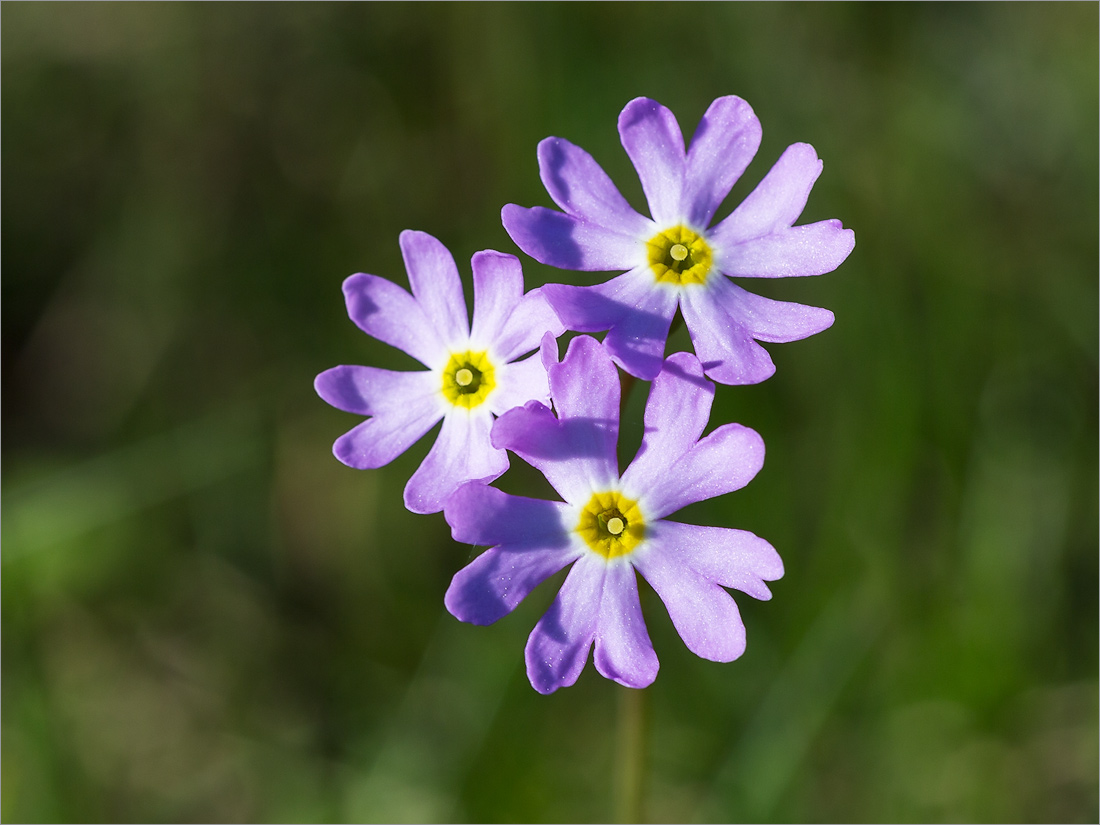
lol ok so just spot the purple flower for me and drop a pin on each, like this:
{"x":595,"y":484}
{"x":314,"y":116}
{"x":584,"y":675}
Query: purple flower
{"x":472,"y":373}
{"x":675,"y":259}
{"x":611,"y":525}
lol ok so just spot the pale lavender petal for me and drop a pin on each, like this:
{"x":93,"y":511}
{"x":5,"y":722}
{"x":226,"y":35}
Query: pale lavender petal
{"x":653,"y":141}
{"x":378,"y":441}
{"x":462,"y":452}
{"x":599,"y":307}
{"x":578,"y":449}
{"x":581,"y":187}
{"x":585,"y":386}
{"x":557,"y":239}
{"x":436,"y":285}
{"x":498,"y":288}
{"x":637,"y":340}
{"x":729,"y":557}
{"x":723,"y":320}
{"x":635,"y":309}
{"x":531,"y":543}
{"x":404,"y":406}
{"x":492,"y":585}
{"x":705,"y":615}
{"x":528,"y":323}
{"x":482,"y":515}
{"x":676,"y":413}
{"x":623,"y":651}
{"x":572,"y":453}
{"x":518,"y":383}
{"x":385,"y":311}
{"x":374,"y":391}
{"x":505,"y":320}
{"x":777,"y":200}
{"x":724,"y":143}
{"x":724,"y":461}
{"x":726,"y":349}
{"x":812,"y":249}
{"x":766,"y":319}
{"x":557,"y":648}
{"x":548,"y":351}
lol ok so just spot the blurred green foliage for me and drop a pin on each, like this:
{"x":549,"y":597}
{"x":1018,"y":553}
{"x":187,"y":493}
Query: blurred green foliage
{"x":207,"y":617}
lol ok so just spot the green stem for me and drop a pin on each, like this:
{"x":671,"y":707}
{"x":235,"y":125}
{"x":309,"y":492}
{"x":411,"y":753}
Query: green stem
{"x":630,"y":755}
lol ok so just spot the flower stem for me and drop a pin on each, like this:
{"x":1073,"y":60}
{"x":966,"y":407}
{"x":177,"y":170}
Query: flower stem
{"x":630,"y":753}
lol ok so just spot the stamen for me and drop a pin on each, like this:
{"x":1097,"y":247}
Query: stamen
{"x":679,"y":255}
{"x":468,"y":379}
{"x":611,"y":524}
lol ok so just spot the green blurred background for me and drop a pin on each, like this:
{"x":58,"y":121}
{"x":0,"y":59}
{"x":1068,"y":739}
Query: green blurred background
{"x":207,"y":617}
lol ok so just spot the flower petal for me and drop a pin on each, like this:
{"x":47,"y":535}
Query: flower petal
{"x":575,"y":450}
{"x":634,"y":307}
{"x":623,"y":651}
{"x":731,"y":558}
{"x":436,"y":285}
{"x":532,"y":543}
{"x":462,"y":452}
{"x":525,"y":327}
{"x":484,"y":516}
{"x":498,"y":287}
{"x":599,"y":307}
{"x":492,"y":585}
{"x":585,"y":386}
{"x":812,"y":249}
{"x":572,"y":453}
{"x":637,"y":340}
{"x":385,"y":311}
{"x":557,"y":239}
{"x":404,"y":406}
{"x":580,"y":186}
{"x":676,"y":413}
{"x":705,"y":615}
{"x":557,"y":648}
{"x":724,"y":461}
{"x":652,"y":138}
{"x":518,"y":383}
{"x":726,"y":349}
{"x":373,"y":391}
{"x":723,"y":145}
{"x":723,"y":319}
{"x":769,"y":320}
{"x":506,"y":321}
{"x":777,"y":200}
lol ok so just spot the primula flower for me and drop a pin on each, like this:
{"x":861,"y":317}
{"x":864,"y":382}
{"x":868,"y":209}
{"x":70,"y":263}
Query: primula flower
{"x":674,"y":258}
{"x":610,"y":525}
{"x":472,"y":373}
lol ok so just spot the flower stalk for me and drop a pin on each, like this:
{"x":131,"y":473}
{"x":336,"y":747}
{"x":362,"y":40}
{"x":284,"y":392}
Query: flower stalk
{"x":631,"y":754}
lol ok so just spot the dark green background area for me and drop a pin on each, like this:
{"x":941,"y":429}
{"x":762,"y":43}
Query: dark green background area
{"x":207,"y":617}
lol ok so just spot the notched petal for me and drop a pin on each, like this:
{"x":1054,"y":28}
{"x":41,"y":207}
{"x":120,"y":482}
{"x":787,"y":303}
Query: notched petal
{"x":530,"y":541}
{"x":568,"y":242}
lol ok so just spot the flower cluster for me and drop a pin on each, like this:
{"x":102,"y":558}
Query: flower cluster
{"x":562,"y":416}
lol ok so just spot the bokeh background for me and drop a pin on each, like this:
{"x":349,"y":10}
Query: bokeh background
{"x":207,"y":617}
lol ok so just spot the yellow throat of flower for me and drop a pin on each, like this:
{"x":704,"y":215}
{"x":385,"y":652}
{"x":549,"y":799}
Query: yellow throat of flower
{"x":611,"y":524}
{"x":679,"y":256}
{"x":468,"y":379}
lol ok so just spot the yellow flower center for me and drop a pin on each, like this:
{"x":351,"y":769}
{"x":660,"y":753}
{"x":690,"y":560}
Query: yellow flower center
{"x":611,"y":524}
{"x":468,"y":379}
{"x":679,"y":256}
